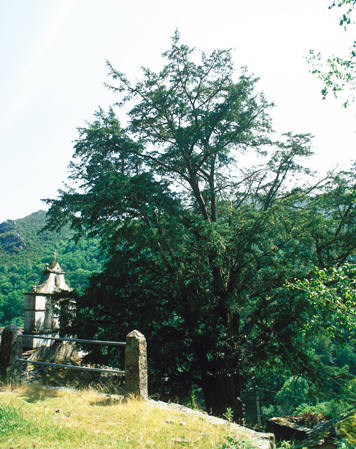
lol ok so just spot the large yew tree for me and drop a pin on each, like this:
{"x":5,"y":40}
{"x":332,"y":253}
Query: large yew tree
{"x":204,"y":220}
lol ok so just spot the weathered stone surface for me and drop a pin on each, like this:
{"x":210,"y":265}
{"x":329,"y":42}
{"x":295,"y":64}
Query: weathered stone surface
{"x":284,"y":429}
{"x":258,"y":440}
{"x":7,"y":226}
{"x":321,"y":436}
{"x":58,"y":352}
{"x":11,"y":347}
{"x":136,"y":364}
{"x":52,"y":280}
{"x":324,"y":435}
{"x":12,"y":241}
{"x":41,"y":317}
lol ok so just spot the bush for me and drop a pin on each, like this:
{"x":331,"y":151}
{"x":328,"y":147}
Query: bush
{"x":332,"y":409}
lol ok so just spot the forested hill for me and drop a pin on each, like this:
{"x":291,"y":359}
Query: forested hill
{"x":24,"y":251}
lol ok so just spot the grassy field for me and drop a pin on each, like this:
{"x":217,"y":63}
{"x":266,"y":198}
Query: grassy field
{"x":42,"y":418}
{"x":38,"y":417}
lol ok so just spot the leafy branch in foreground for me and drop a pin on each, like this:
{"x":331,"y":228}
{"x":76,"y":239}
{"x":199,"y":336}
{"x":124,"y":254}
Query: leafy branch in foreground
{"x":338,"y":73}
{"x":332,"y":294}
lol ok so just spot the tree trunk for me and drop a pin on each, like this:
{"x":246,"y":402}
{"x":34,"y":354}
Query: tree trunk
{"x":222,"y":392}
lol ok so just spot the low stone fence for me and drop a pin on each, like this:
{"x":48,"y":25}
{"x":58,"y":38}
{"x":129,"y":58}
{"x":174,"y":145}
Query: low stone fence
{"x":135,"y":372}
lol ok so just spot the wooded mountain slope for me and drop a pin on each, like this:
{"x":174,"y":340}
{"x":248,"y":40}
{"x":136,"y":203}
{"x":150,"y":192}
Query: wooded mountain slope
{"x":24,"y":251}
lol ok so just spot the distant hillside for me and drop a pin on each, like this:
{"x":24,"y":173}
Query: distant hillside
{"x":24,"y":251}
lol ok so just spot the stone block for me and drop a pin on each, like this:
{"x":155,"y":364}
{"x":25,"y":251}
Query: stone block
{"x":11,"y":347}
{"x":136,"y":364}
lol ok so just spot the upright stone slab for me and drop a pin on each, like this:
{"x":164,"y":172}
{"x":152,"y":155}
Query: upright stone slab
{"x":136,"y":364}
{"x":11,"y":347}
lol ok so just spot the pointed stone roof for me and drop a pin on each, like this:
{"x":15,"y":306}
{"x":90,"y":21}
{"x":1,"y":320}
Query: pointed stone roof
{"x":52,"y":280}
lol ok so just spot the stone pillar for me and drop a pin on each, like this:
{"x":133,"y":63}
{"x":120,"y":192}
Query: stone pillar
{"x":136,"y":364}
{"x":11,"y":348}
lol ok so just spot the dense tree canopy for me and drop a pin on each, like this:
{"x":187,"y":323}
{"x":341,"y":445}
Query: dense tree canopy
{"x":201,"y":244}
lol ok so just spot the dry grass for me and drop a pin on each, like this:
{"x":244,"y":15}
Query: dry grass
{"x":38,"y":417}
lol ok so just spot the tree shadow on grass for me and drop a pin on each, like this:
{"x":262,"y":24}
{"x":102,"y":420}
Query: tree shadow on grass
{"x":38,"y":392}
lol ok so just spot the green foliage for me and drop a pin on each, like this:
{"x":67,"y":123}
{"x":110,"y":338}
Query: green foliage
{"x":347,"y":7}
{"x":334,"y":290}
{"x":202,"y":250}
{"x":233,"y":443}
{"x":21,"y":265}
{"x":347,"y":430}
{"x":337,"y":361}
{"x":332,"y":409}
{"x":229,"y":414}
{"x":294,"y":390}
{"x":287,"y":445}
{"x":337,"y":72}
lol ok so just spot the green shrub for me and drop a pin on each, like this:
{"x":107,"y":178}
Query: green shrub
{"x":332,"y":409}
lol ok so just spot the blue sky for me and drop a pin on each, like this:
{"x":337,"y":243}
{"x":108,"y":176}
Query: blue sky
{"x":53,"y":68}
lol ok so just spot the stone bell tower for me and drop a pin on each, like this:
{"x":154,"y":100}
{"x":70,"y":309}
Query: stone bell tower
{"x":40,"y":317}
